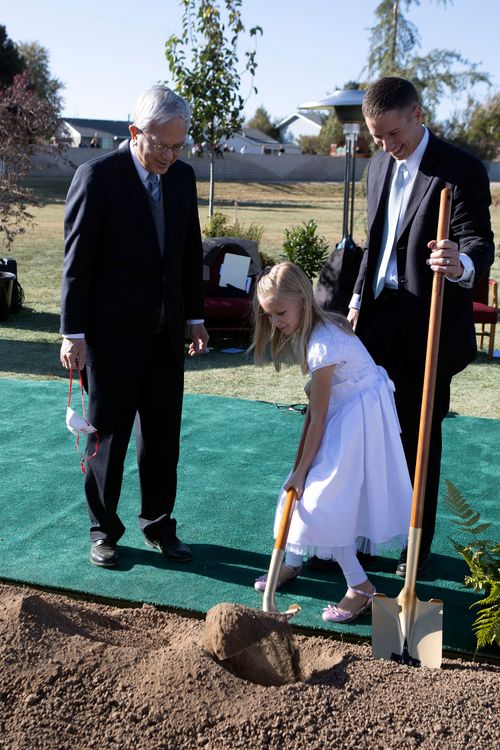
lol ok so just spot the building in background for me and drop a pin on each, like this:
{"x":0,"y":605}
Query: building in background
{"x":82,"y":133}
{"x":253,"y":141}
{"x":298,"y":124}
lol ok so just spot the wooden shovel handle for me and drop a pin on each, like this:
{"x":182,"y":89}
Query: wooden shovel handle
{"x":431,"y":359}
{"x":291,"y":495}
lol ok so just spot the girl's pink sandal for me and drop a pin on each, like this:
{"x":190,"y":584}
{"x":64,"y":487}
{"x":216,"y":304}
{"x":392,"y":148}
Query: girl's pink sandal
{"x":333,"y":613}
{"x":287,"y":573}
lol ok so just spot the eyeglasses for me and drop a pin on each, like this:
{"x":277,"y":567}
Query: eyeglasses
{"x":158,"y":146}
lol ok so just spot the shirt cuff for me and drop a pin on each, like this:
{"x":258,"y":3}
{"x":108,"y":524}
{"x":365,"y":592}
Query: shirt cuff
{"x":467,"y":278}
{"x":355,"y":302}
{"x":73,"y":335}
{"x":194,"y":322}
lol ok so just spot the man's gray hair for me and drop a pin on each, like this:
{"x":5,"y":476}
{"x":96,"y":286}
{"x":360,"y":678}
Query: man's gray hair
{"x":159,"y":104}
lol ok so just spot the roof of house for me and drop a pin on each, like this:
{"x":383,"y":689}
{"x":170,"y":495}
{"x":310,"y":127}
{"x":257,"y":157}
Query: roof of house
{"x":86,"y":127}
{"x":315,"y":117}
{"x":257,"y":136}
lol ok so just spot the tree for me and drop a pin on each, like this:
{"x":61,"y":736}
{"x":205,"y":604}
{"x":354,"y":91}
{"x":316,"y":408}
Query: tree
{"x":393,"y":44}
{"x":29,"y":114}
{"x":477,"y":128}
{"x":24,"y":120}
{"x":211,"y":78}
{"x":11,"y":62}
{"x":331,"y":132}
{"x":36,"y":59}
{"x":262,"y":121}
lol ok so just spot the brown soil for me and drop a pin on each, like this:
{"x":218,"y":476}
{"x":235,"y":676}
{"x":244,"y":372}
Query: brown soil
{"x":77,"y":675}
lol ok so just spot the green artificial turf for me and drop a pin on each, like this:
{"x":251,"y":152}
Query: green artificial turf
{"x":234,"y":456}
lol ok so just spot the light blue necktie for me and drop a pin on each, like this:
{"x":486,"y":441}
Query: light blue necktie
{"x":391,"y":224}
{"x":153,"y":185}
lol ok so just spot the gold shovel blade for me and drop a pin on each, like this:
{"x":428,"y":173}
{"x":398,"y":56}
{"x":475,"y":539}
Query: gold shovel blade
{"x":414,"y":638}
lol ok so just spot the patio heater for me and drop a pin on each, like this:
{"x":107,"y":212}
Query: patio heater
{"x":339,"y":273}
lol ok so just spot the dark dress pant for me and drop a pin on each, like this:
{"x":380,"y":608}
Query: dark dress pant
{"x":390,"y":343}
{"x":152,"y":400}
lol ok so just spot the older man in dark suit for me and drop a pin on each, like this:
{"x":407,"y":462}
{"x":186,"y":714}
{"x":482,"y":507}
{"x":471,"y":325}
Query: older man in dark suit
{"x":132,"y":278}
{"x":390,"y":307}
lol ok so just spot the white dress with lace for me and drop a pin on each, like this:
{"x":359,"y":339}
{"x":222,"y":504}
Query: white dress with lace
{"x":358,"y":489}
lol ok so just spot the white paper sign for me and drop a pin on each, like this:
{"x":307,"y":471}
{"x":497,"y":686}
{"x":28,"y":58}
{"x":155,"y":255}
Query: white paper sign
{"x":234,"y":270}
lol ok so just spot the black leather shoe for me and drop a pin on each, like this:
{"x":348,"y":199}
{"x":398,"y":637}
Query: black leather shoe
{"x":424,"y":560}
{"x":103,"y":553}
{"x":172,"y":548}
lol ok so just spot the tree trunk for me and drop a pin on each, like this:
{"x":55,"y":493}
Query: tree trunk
{"x":212,"y":185}
{"x":395,"y":18}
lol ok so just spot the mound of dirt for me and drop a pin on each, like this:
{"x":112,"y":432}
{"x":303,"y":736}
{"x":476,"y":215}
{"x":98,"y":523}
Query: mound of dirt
{"x":76,"y":675}
{"x":253,"y":645}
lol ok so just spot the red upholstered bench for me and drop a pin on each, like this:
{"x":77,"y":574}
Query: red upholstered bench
{"x":485,"y":313}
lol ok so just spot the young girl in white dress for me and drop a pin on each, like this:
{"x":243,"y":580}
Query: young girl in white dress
{"x":352,"y":480}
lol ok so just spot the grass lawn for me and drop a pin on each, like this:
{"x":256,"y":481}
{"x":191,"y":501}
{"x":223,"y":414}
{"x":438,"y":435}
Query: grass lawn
{"x":29,"y":341}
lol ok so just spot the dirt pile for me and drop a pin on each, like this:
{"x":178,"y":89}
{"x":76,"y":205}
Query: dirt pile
{"x":255,"y":646}
{"x":77,"y":675}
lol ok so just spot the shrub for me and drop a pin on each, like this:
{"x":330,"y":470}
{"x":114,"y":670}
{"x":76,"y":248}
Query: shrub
{"x":303,"y":247}
{"x":218,"y":226}
{"x":483,"y":558}
{"x":246,"y":232}
{"x":266,"y":259}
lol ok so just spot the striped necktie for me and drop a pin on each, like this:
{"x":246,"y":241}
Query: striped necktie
{"x":389,"y":237}
{"x":153,"y":185}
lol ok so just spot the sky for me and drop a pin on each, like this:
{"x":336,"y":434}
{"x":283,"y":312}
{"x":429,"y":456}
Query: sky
{"x":107,"y":53}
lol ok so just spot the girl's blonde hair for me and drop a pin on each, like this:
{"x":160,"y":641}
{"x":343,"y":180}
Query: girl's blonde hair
{"x":289,"y":281}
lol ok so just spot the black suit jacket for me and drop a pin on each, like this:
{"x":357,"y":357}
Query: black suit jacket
{"x":441,"y":165}
{"x":114,"y":276}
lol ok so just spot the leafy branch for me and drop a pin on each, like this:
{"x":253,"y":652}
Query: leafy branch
{"x":205,"y":68}
{"x":483,"y":559}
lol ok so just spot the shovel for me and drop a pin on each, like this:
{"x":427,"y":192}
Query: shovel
{"x":405,"y":629}
{"x":269,"y":603}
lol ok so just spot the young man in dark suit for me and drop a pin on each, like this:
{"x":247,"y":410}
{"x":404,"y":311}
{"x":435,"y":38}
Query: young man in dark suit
{"x":391,"y":302}
{"x":132,"y":277}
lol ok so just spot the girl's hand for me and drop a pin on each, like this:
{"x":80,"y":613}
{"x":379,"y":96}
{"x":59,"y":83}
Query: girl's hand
{"x":296,"y":481}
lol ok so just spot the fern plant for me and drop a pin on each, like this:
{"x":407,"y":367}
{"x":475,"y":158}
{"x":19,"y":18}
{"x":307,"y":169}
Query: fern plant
{"x":483,"y":558}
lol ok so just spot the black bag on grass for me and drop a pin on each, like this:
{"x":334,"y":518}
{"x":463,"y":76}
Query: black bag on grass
{"x":17,"y":299}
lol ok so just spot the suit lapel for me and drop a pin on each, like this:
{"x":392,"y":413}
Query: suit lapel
{"x":380,"y":185}
{"x":172,"y":202}
{"x":423,"y":181}
{"x":139,"y":198}
{"x":168,"y":195}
